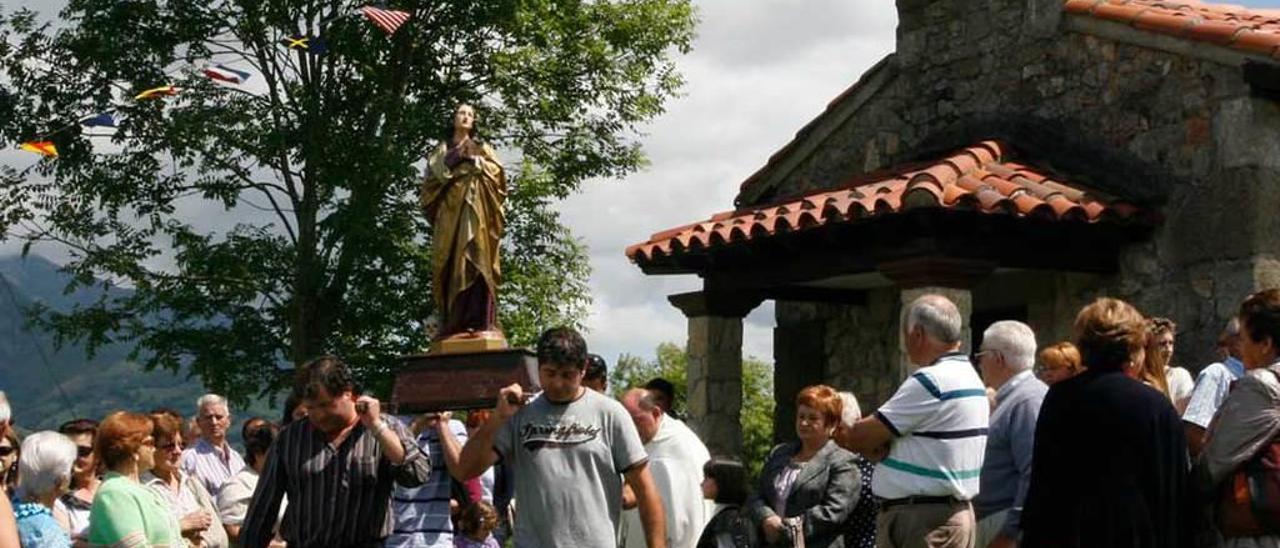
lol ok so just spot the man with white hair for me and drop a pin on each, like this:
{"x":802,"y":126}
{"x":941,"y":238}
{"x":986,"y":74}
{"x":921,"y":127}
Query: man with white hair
{"x":211,"y":459}
{"x":1007,"y":355}
{"x":936,"y":428}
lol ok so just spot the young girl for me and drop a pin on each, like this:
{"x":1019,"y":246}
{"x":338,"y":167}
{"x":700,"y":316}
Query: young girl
{"x":475,"y":526}
{"x":725,"y":482}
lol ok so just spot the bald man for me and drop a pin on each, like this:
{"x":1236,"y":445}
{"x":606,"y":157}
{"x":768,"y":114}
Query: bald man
{"x":676,"y":457}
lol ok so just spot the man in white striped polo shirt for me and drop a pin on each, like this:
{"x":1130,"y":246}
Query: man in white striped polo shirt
{"x":936,"y":427}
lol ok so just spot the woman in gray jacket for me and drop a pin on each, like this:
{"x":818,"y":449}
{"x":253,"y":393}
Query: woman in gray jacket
{"x":1250,"y":416}
{"x":808,"y":487}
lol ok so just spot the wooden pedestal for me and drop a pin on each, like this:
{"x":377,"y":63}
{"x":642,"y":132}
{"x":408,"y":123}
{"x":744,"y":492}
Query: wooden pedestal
{"x":463,"y":380}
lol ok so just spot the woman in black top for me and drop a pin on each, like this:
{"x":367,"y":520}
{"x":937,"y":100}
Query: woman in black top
{"x":725,"y":482}
{"x":1110,"y":465}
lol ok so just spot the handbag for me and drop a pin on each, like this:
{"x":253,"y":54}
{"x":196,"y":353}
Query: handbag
{"x":1249,"y":503}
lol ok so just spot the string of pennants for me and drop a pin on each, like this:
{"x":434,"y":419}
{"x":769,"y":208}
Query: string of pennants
{"x":385,"y":19}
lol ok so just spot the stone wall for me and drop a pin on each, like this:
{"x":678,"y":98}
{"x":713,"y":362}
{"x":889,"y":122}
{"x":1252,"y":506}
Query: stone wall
{"x":1178,"y":133}
{"x":855,"y":349}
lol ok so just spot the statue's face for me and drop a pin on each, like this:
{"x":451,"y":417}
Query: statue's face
{"x":464,"y":117}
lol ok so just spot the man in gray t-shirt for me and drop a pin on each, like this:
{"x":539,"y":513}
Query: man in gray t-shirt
{"x":569,"y":450}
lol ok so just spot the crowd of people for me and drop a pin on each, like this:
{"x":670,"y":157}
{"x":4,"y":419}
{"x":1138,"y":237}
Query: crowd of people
{"x":1095,"y":442}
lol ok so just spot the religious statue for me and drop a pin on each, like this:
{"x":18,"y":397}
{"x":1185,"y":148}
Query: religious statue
{"x":462,"y":196}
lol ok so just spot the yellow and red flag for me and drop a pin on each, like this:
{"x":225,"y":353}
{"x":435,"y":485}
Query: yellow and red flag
{"x":43,"y":148}
{"x":154,"y":93}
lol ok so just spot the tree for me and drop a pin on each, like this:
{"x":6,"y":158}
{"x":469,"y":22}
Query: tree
{"x":322,"y":148}
{"x":671,"y":363}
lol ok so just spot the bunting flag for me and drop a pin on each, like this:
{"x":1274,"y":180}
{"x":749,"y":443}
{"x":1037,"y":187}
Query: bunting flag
{"x":310,"y":44}
{"x":155,"y":93}
{"x":387,"y":20}
{"x":223,"y":73}
{"x":43,"y":148}
{"x":104,"y":119}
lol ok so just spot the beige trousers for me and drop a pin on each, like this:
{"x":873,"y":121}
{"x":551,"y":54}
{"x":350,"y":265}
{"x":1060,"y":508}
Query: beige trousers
{"x":926,"y":526}
{"x":990,"y":526}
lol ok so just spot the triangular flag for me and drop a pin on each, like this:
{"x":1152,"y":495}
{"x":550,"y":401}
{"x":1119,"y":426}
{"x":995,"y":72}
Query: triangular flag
{"x":310,"y":44}
{"x":104,"y":119}
{"x":223,"y":73}
{"x":387,"y":20}
{"x":154,"y":93}
{"x":43,"y":148}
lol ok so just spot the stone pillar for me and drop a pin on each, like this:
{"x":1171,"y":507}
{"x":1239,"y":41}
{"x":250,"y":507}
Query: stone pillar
{"x":948,"y":277}
{"x":714,"y":349}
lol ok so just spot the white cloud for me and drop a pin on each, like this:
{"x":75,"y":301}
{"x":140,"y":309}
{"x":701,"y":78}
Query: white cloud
{"x":756,"y":75}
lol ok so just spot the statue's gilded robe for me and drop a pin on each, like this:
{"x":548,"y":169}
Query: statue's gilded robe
{"x":465,"y":207}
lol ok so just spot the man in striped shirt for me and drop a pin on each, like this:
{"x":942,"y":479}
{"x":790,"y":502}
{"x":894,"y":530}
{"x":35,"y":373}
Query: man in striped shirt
{"x":422,"y":513}
{"x":337,"y":467}
{"x":211,"y":460}
{"x":936,"y":426}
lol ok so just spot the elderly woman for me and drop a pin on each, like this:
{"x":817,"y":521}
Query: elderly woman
{"x":73,"y":507}
{"x":45,"y":474}
{"x":808,"y":487}
{"x":1250,"y":416}
{"x":1058,"y":362}
{"x":10,"y":450}
{"x":125,"y":513}
{"x":1109,"y":466}
{"x":184,"y":495}
{"x":860,"y":531}
{"x":233,"y":500}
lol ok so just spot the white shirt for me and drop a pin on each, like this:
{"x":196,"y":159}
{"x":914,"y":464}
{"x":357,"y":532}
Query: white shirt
{"x":676,"y":458}
{"x":1180,"y":386}
{"x":939,"y":416}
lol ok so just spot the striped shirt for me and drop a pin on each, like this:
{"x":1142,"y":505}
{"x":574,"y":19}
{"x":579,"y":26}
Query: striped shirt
{"x":939,"y":417}
{"x":422,"y":513}
{"x":213,"y":466}
{"x":339,"y":496}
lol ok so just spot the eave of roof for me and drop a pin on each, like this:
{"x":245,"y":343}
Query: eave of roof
{"x":983,"y":178}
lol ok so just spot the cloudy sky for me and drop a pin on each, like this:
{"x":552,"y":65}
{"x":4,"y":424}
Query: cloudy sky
{"x":756,"y":75}
{"x":759,"y":71}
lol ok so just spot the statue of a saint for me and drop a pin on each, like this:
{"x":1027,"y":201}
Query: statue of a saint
{"x":462,"y":196}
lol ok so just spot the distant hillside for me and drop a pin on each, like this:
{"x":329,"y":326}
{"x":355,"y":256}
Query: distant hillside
{"x":90,"y":388}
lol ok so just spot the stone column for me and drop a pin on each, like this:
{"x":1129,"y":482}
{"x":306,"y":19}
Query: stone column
{"x":714,"y":350}
{"x":948,"y":277}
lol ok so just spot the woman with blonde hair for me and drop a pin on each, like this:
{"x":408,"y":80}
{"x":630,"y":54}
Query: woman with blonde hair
{"x":1110,"y":461}
{"x":1058,"y":362}
{"x":1174,"y":382}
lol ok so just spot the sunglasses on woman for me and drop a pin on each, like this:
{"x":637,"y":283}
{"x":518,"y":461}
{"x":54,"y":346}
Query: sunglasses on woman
{"x":6,"y":450}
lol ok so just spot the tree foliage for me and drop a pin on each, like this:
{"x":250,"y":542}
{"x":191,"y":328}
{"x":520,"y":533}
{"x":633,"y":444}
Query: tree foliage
{"x":315,"y":157}
{"x":671,"y":363}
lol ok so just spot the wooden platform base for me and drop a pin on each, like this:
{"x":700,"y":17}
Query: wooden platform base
{"x":461,"y":380}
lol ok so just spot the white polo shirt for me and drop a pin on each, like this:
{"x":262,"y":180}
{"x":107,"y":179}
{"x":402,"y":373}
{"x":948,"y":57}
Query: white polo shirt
{"x":939,"y":417}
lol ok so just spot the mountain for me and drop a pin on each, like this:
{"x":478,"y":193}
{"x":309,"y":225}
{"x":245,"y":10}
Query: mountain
{"x":46,"y":386}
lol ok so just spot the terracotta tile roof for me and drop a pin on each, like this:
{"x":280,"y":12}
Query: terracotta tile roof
{"x":980,"y":178}
{"x":1237,"y":27}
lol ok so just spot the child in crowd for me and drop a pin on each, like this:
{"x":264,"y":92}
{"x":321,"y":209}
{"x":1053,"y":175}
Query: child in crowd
{"x":475,"y":526}
{"x":725,"y":482}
